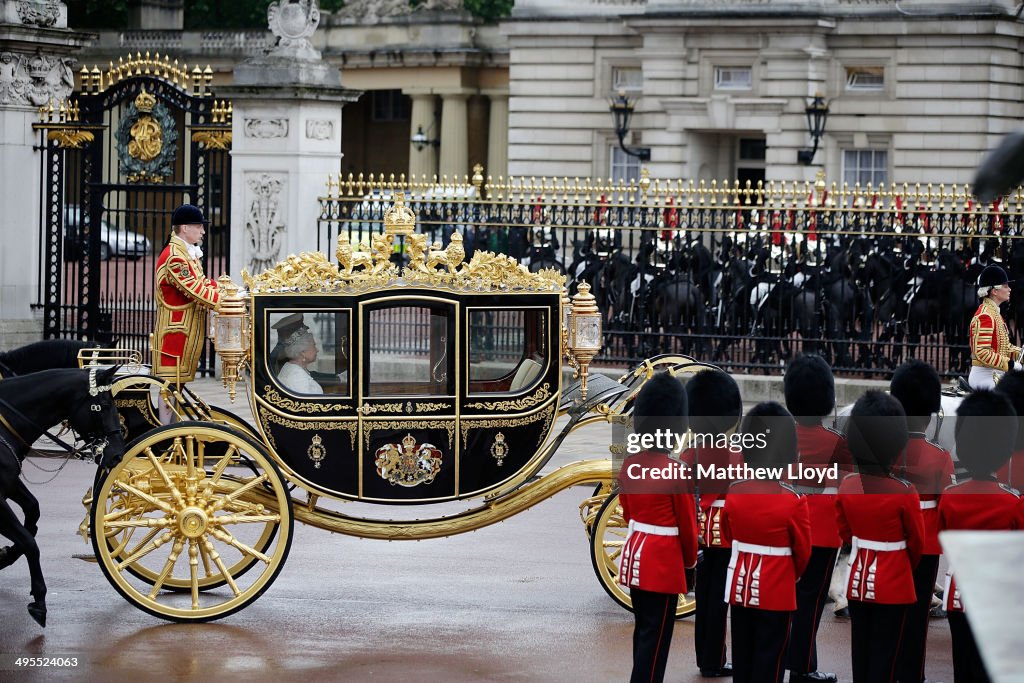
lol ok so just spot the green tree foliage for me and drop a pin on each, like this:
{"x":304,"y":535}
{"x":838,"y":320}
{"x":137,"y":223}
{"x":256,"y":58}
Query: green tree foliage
{"x":96,"y":14}
{"x":489,"y":10}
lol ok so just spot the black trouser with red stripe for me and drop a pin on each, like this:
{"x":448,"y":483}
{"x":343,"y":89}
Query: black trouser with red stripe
{"x":915,"y":635}
{"x":967,"y":664}
{"x":811,"y":592}
{"x":876,"y":636}
{"x":759,"y":639}
{"x":655,"y":615}
{"x":709,"y":625}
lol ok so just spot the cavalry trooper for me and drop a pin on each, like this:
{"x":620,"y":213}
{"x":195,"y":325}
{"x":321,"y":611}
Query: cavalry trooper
{"x":715,"y":410}
{"x":810,"y":394}
{"x":662,"y":539}
{"x":992,"y":354}
{"x":986,"y":428}
{"x":929,"y":468}
{"x":879,"y":515}
{"x":1012,"y":473}
{"x":769,"y":527}
{"x":183,"y":295}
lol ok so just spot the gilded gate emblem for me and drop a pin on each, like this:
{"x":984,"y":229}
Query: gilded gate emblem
{"x":146,"y":140}
{"x":408,"y":464}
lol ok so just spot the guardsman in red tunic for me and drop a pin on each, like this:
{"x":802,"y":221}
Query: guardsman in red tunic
{"x":1012,"y":473}
{"x":810,"y":396}
{"x":662,"y":522}
{"x":770,"y":530}
{"x":986,"y":428}
{"x":929,"y":468}
{"x":715,"y":409}
{"x":992,"y":354}
{"x":880,"y":516}
{"x":183,"y":294}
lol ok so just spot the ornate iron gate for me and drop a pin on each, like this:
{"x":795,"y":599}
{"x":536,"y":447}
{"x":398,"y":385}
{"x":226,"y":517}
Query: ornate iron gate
{"x":142,"y":137}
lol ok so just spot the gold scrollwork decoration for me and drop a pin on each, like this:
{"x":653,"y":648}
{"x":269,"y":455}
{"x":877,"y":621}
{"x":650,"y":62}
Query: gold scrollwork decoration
{"x":70,"y":138}
{"x":541,"y":395}
{"x":372,"y":408}
{"x":316,"y":451}
{"x":369,"y":427}
{"x":270,"y":417}
{"x":465,"y":424}
{"x":432,"y":407}
{"x":313,"y":406}
{"x":213,"y":139}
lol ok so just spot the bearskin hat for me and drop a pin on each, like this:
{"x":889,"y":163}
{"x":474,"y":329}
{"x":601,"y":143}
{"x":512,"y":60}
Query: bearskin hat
{"x":917,"y":386}
{"x":777,"y":430}
{"x":809,"y":388}
{"x":1012,"y":386}
{"x":660,"y":404}
{"x":714,"y":400}
{"x":876,"y":432}
{"x":986,"y":430}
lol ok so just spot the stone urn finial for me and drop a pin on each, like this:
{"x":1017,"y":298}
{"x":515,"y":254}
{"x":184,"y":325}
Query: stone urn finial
{"x":293,"y":22}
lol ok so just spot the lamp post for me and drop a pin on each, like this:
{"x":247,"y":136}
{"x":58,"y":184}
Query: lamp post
{"x":622,"y":108}
{"x":817,"y":114}
{"x":420,"y":140}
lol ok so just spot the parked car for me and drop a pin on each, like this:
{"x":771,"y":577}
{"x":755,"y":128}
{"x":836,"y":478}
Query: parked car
{"x":114,"y":241}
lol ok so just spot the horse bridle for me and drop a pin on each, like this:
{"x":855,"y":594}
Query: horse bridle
{"x":92,"y":449}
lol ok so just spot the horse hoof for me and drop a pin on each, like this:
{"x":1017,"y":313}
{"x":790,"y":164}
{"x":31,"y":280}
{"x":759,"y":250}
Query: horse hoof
{"x":38,"y":612}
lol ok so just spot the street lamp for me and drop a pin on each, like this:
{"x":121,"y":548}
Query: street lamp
{"x":622,"y":107}
{"x":419,"y":140}
{"x":817,"y":113}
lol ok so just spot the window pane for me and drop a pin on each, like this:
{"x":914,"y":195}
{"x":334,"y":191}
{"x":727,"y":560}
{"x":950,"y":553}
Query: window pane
{"x":507,"y":349}
{"x":408,"y":351}
{"x":627,"y":78}
{"x":733,"y":78}
{"x":623,"y":166}
{"x":309,"y":351}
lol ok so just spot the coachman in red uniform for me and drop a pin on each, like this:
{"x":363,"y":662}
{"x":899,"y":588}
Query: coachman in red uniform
{"x":183,"y":294}
{"x":1012,"y":473}
{"x":770,"y":530}
{"x":662,"y":539}
{"x":715,"y":409}
{"x":810,"y":396}
{"x":880,"y":516}
{"x":929,"y":468}
{"x":986,"y":428}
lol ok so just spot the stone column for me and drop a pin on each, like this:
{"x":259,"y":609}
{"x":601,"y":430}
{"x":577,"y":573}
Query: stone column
{"x":35,"y":67}
{"x":497,"y":135}
{"x":423,"y":162}
{"x":454,"y":136}
{"x":286,"y":141}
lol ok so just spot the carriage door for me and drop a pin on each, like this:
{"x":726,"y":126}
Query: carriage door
{"x":407,"y":415}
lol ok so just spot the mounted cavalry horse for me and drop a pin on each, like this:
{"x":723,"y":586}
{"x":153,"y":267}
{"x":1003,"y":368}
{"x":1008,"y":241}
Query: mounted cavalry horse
{"x":30,"y":406}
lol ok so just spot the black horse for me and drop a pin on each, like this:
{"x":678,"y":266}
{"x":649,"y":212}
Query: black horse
{"x":30,"y":405}
{"x":42,"y":355}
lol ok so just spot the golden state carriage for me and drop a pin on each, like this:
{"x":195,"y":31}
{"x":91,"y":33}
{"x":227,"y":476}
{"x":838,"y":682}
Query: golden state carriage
{"x":432,"y":383}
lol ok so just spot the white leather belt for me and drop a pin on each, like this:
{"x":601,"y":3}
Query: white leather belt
{"x":720,"y":503}
{"x":929,"y":504}
{"x":800,"y":488}
{"x":755,"y":549}
{"x":878,"y":546}
{"x":653,"y":529}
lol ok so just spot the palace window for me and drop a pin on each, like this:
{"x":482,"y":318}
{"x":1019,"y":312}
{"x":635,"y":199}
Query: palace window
{"x":391,"y":105}
{"x":624,"y":167}
{"x":865,"y":166}
{"x":628,"y":79}
{"x":865,"y":78}
{"x":734,"y":78}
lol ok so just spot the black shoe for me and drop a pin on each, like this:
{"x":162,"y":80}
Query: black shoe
{"x":724,"y":672}
{"x":813,"y":677}
{"x":937,"y":613}
{"x":842,"y":613}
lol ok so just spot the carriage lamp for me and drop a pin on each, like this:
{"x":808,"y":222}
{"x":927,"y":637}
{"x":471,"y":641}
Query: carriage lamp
{"x":584,"y":333}
{"x":231,"y":333}
{"x":817,"y":114}
{"x":566,"y":321}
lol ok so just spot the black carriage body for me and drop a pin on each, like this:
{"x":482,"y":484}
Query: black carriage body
{"x":428,"y":395}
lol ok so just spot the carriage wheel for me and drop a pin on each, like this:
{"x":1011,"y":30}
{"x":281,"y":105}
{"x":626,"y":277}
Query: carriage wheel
{"x":193,"y":524}
{"x":607,"y":536}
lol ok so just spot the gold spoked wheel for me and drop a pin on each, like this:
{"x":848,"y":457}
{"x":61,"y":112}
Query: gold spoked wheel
{"x":177,"y":527}
{"x":607,"y":536}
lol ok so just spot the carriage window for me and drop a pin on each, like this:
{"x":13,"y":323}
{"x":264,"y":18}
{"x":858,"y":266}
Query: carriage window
{"x":309,"y":351}
{"x":507,"y":350}
{"x":410,"y":351}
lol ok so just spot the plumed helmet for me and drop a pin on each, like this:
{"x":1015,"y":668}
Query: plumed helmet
{"x":809,"y":387}
{"x":993,"y":276}
{"x":188,"y":214}
{"x":916,"y":385}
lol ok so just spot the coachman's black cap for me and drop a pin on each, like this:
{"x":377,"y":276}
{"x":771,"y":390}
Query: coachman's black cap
{"x":188,"y":214}
{"x":993,"y":276}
